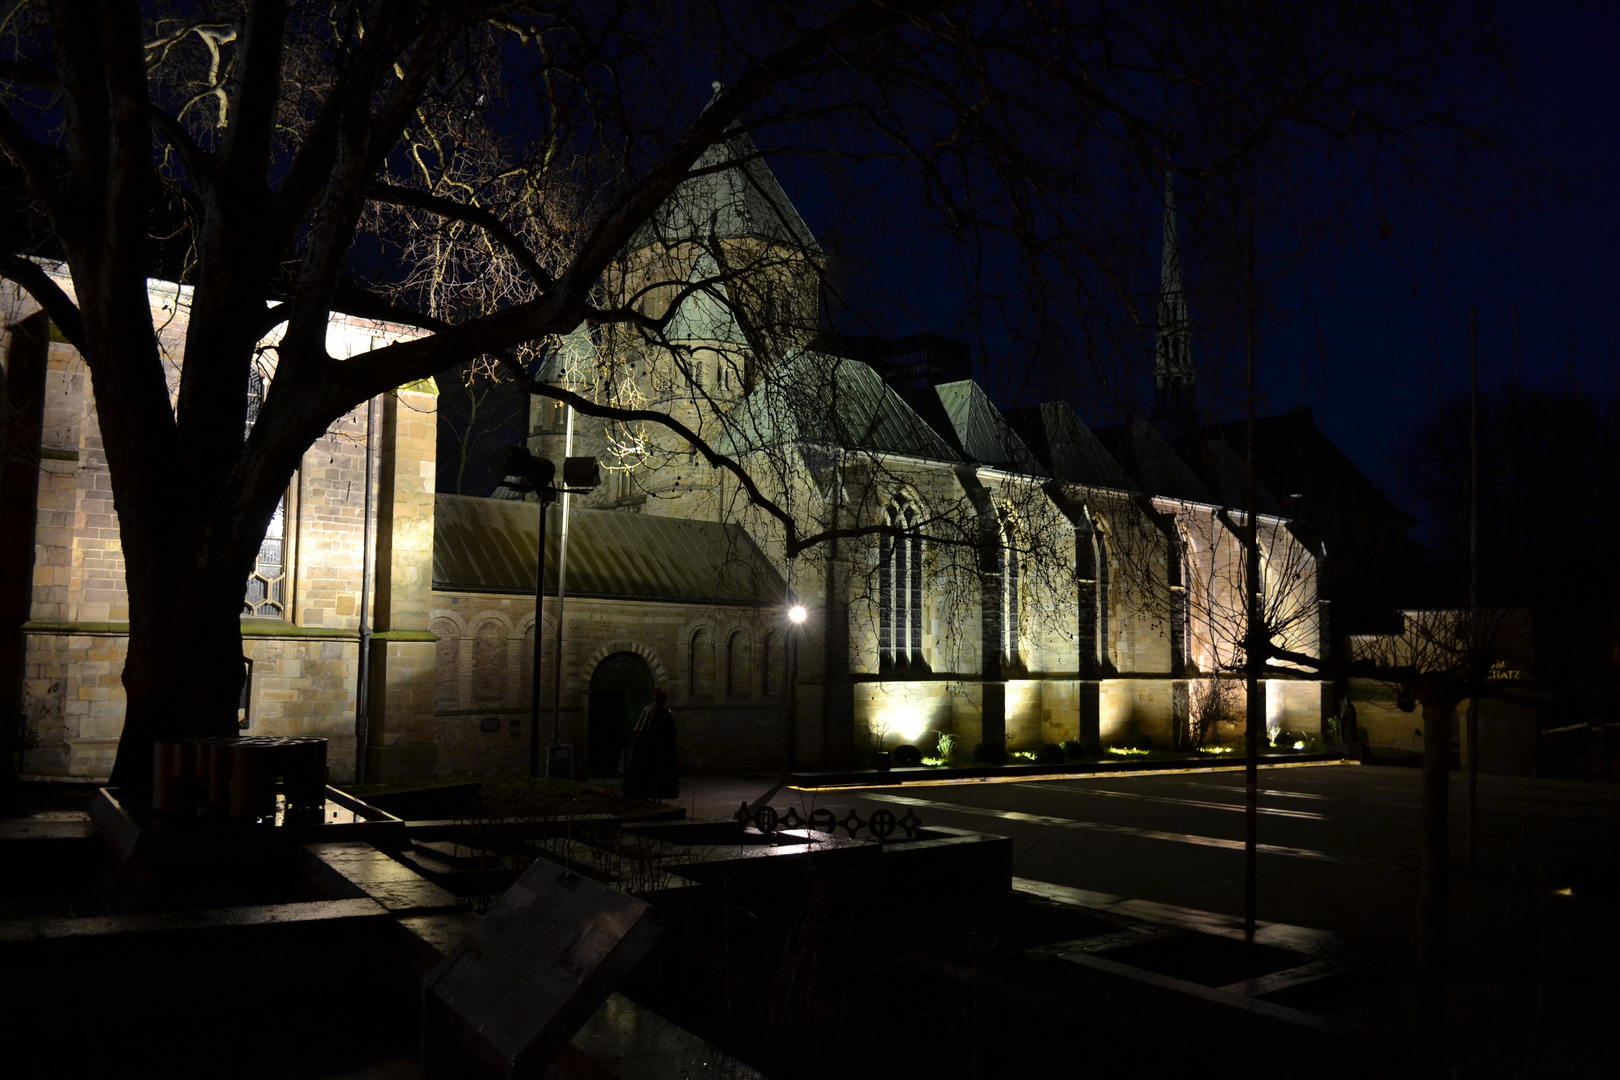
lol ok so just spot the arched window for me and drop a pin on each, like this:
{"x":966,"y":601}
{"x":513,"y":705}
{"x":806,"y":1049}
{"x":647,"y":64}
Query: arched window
{"x":446,"y":665}
{"x":266,"y":593}
{"x":1177,"y":574}
{"x":1011,"y":594}
{"x":1104,"y":581}
{"x":767,"y":665}
{"x":489,"y":663}
{"x":737,"y":666}
{"x":900,"y":594}
{"x":526,"y":667}
{"x":700,"y":663}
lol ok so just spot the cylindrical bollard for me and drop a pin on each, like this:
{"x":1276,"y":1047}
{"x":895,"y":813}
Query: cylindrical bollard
{"x":253,"y":780}
{"x":217,"y":752}
{"x":304,"y":773}
{"x":170,"y":773}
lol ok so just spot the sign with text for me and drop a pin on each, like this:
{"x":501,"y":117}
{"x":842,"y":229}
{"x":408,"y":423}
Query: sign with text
{"x":545,"y":957}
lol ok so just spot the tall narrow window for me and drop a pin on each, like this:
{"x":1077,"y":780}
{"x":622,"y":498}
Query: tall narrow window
{"x":446,"y":665}
{"x":265,"y":595}
{"x":737,"y":666}
{"x":1010,"y":593}
{"x":1102,"y":598}
{"x":489,"y":663}
{"x":900,"y":588}
{"x":700,"y":664}
{"x":267,"y":584}
{"x":767,"y":665}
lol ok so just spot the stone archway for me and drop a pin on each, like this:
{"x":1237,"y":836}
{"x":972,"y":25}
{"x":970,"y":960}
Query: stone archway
{"x":621,"y":686}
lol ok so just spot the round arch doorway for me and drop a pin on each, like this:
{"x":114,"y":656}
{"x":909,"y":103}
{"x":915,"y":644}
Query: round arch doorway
{"x":621,"y":686}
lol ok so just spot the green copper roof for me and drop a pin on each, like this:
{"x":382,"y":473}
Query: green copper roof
{"x":732,"y":195}
{"x":488,"y":545}
{"x":1058,"y":436}
{"x":981,"y":431}
{"x":816,"y":398}
{"x":706,"y":314}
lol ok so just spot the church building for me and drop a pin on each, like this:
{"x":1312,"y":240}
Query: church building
{"x":1012,"y":578}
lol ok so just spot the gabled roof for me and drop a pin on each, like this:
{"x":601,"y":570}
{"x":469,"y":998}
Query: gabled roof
{"x":980,"y":431}
{"x":732,"y":195}
{"x":1056,"y":434}
{"x":816,"y":398}
{"x":1221,"y":468}
{"x":1295,"y":457}
{"x":705,"y":314}
{"x":488,"y":545}
{"x":1150,"y":464}
{"x":575,"y":347}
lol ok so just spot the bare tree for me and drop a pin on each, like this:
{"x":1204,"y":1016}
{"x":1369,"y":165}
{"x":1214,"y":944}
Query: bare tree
{"x":274,"y":138}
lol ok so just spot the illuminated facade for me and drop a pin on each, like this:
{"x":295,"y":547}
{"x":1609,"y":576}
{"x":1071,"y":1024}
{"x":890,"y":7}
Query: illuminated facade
{"x":1016,"y":578}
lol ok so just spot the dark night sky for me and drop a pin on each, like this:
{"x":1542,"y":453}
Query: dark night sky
{"x":1389,"y":345}
{"x":1381,"y":323}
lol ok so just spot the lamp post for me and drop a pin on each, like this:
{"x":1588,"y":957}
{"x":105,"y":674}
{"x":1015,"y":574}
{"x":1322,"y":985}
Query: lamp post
{"x":538,"y":475}
{"x":790,"y":730}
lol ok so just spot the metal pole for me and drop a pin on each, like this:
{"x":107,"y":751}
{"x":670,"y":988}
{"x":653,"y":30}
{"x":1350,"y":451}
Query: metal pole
{"x":1254,"y":717}
{"x":539,"y":642}
{"x":362,"y":704}
{"x":562,"y":590}
{"x":790,"y":728}
{"x":1471,"y":731}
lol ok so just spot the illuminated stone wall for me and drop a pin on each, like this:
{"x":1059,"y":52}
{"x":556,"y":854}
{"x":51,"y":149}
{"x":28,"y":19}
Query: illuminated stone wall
{"x":482,"y":710}
{"x":306,"y":667}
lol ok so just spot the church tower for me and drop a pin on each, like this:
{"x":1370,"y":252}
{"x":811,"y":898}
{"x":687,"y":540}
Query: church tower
{"x":732,"y":272}
{"x":1175,"y":409}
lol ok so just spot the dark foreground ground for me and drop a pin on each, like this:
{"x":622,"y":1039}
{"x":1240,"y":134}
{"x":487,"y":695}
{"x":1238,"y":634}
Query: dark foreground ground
{"x":1115,"y":955}
{"x":1533,"y":940}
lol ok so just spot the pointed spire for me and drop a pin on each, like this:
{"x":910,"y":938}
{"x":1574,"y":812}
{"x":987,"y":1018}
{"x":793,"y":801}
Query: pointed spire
{"x":1172,"y":352}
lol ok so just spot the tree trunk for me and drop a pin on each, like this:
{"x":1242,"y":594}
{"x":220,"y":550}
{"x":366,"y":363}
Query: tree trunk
{"x":1434,"y":883}
{"x":183,"y":674}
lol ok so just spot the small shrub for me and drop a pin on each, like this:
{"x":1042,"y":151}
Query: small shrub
{"x":990,"y":753}
{"x":906,"y":756}
{"x":1050,"y":754}
{"x":947,"y":746}
{"x":1135,"y":741}
{"x":1288,"y":740}
{"x":1073,"y":749}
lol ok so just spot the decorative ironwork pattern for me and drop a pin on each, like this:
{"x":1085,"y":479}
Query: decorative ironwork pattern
{"x":880,"y":825}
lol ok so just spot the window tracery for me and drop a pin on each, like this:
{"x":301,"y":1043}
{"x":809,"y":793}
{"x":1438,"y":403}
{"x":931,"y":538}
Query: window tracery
{"x":900,"y":587}
{"x":265,"y":594}
{"x":1011,"y":594}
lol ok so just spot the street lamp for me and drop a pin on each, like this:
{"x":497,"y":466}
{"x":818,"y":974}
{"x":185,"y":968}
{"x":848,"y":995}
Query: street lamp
{"x":538,"y":474}
{"x":796,"y":614}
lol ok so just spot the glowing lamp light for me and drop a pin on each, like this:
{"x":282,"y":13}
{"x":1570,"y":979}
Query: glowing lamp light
{"x":797,"y":614}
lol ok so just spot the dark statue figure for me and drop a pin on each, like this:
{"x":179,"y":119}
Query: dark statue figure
{"x":649,"y":768}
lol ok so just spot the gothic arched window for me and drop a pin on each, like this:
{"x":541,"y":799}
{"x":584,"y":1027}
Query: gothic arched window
{"x":266,"y":593}
{"x":900,"y":599}
{"x":1011,"y":594}
{"x":1103,"y":584}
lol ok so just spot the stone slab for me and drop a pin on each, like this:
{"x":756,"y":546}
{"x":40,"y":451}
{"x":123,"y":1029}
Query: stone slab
{"x":80,"y":828}
{"x":346,"y":867}
{"x":539,"y":964}
{"x":630,"y":1042}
